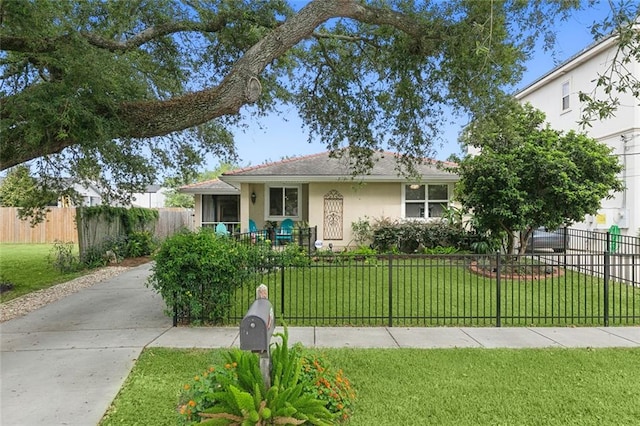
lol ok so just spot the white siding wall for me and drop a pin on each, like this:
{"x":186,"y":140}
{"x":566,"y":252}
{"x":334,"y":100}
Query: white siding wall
{"x":621,"y":132}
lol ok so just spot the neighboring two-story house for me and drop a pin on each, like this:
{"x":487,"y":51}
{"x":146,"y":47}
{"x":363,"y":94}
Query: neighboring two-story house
{"x":556,"y":94}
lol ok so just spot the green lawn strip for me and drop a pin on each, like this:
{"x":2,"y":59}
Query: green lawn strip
{"x":27,"y":268}
{"x":439,"y":386}
{"x":358,"y":294}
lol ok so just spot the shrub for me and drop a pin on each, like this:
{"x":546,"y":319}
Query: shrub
{"x":62,"y":258}
{"x":416,"y":236}
{"x":140,"y":243}
{"x":197,"y":272}
{"x":304,"y":390}
{"x":362,"y":231}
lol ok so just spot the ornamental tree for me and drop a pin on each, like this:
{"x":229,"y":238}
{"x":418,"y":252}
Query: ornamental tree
{"x":528,"y":175}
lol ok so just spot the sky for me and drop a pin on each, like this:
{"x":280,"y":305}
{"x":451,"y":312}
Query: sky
{"x":276,"y":136}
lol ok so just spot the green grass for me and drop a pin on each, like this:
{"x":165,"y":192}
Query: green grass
{"x":27,"y":268}
{"x":423,"y":387}
{"x":435,"y":293}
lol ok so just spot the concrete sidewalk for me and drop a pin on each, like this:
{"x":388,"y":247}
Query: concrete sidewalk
{"x":423,"y":338}
{"x":64,"y":363}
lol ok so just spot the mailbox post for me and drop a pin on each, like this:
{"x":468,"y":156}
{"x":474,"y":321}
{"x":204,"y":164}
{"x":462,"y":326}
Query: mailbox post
{"x":256,"y":330}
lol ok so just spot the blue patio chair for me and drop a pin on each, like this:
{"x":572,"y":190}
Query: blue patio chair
{"x":285,"y":233}
{"x":255,"y":232}
{"x":221,"y":229}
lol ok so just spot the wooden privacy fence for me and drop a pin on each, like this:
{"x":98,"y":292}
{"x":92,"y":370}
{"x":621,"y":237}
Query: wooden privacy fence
{"x":60,"y":225}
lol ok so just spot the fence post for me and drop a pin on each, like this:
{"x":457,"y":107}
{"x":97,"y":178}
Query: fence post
{"x":498,"y":295}
{"x":282,"y":288}
{"x":607,"y":275}
{"x":390,"y":290}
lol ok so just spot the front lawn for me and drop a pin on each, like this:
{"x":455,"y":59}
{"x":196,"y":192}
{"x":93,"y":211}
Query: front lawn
{"x":27,"y":268}
{"x":421,"y":387}
{"x":434,"y":292}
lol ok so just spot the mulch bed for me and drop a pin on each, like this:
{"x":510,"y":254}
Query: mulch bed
{"x":131,"y":262}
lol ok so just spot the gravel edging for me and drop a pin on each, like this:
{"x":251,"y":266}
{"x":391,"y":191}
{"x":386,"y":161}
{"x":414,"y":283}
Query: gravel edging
{"x":30,"y":302}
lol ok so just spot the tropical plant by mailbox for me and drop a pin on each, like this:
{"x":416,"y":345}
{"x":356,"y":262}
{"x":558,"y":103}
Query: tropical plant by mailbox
{"x":304,"y":391}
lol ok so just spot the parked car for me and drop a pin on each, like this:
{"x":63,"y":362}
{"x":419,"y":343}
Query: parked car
{"x":542,"y":238}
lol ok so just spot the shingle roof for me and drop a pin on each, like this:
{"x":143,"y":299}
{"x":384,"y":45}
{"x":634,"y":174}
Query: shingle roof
{"x":215,"y":186}
{"x":322,"y":167}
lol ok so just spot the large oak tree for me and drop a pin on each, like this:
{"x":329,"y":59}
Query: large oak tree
{"x":121,"y":91}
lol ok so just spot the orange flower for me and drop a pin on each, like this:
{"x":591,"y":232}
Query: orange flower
{"x":212,"y":369}
{"x":227,"y":366}
{"x":187,"y":387}
{"x":183,"y":409}
{"x":234,"y":365}
{"x":192,"y":403}
{"x":196,"y":378}
{"x":339,"y":406}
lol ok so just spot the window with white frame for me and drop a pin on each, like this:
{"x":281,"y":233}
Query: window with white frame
{"x":425,"y":201}
{"x":284,"y":201}
{"x":565,"y":96}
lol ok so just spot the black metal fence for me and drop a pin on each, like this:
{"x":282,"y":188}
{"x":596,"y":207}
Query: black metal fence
{"x":572,"y":240}
{"x":303,"y":237}
{"x":452,"y":290}
{"x":594,"y":281}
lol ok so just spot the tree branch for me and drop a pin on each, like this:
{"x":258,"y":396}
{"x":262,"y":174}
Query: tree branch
{"x":162,"y":117}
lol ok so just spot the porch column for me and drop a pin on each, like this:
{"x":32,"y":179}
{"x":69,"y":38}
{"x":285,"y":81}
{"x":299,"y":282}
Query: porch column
{"x":245,"y":196}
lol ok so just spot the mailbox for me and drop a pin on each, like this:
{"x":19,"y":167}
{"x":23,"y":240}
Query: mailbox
{"x":257,"y":327}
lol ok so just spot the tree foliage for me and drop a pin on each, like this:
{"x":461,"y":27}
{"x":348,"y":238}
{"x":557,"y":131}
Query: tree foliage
{"x":528,"y":175}
{"x":122,"y":91}
{"x":20,"y":189}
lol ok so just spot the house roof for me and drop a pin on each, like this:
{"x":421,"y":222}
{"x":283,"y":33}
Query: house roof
{"x":215,"y":186}
{"x":322,"y":168}
{"x":568,"y":65}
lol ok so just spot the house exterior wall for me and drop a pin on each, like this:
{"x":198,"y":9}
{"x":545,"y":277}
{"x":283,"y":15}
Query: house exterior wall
{"x":150,"y":200}
{"x":621,"y":132}
{"x":370,"y":200}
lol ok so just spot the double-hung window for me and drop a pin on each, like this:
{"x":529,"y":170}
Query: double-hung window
{"x":425,"y":201}
{"x":284,"y":201}
{"x":565,"y":96}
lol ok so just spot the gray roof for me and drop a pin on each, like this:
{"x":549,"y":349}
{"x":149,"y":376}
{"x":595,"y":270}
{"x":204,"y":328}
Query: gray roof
{"x":215,"y":186}
{"x":322,"y":167}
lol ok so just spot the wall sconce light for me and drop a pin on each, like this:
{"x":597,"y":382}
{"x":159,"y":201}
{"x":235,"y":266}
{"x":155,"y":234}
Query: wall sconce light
{"x":253,"y":197}
{"x":414,"y":186}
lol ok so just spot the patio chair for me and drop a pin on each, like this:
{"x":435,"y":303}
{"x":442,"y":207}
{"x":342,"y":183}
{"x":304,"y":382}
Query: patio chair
{"x":221,"y":229}
{"x":255,"y":232}
{"x":285,"y":233}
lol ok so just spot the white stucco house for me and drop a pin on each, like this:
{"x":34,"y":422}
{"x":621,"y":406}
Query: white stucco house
{"x":556,"y":94}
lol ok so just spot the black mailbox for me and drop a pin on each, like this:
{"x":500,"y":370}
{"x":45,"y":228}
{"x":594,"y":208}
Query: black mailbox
{"x":257,"y":327}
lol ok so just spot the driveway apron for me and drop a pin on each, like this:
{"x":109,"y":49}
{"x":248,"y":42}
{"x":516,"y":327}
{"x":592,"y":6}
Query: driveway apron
{"x":64,"y":363}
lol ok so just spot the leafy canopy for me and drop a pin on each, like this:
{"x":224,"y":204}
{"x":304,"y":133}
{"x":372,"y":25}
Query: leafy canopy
{"x":130,"y":88}
{"x":116,"y":93}
{"x":528,"y":175}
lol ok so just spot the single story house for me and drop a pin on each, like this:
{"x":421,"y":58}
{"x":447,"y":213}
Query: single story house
{"x":320,"y":190}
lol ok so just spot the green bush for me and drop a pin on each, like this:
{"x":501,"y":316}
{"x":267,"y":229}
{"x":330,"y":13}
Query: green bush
{"x":197,"y":272}
{"x":418,"y":236}
{"x":62,"y":257}
{"x":140,"y":243}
